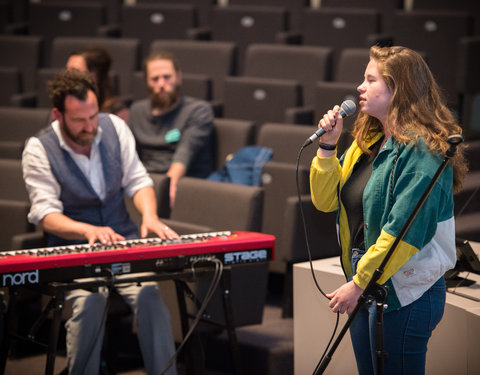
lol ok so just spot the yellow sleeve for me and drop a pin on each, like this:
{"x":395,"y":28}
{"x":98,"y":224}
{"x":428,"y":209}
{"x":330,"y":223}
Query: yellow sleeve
{"x":324,"y":178}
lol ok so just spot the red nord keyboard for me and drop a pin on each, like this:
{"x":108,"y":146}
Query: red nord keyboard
{"x":34,"y":266}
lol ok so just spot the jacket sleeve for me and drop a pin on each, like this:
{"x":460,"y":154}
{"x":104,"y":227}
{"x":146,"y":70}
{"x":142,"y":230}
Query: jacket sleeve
{"x":324,"y":179}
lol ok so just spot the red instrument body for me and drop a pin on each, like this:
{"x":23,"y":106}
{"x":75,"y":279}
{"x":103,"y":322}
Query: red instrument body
{"x":33,"y":266}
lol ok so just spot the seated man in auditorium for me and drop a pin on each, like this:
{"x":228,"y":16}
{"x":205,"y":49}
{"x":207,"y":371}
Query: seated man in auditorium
{"x":173,"y":132}
{"x":76,"y":172}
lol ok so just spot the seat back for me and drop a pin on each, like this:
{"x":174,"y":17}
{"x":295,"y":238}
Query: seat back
{"x":16,"y":125}
{"x":216,"y":60}
{"x":218,"y":205}
{"x":286,"y":140}
{"x":260,"y":99}
{"x":230,"y":136}
{"x":471,"y":7}
{"x":248,"y":24}
{"x":437,"y":34}
{"x":386,"y":8}
{"x":305,"y":64}
{"x":351,"y":65}
{"x":148,"y":21}
{"x":56,"y":19}
{"x":11,"y":79}
{"x":14,"y":202}
{"x":339,"y":28}
{"x":22,"y":52}
{"x":125,"y":54}
{"x":202,"y":7}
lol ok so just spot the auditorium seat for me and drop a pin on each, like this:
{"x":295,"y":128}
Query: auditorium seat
{"x":148,"y":21}
{"x":125,"y":54}
{"x":384,"y":7}
{"x":14,"y":202}
{"x":339,"y":28}
{"x":293,"y":7}
{"x":23,"y":52}
{"x":66,"y":19}
{"x":305,"y":64}
{"x":244,"y":25}
{"x":11,"y":80}
{"x":468,"y":6}
{"x":230,"y":136}
{"x":437,"y":34}
{"x":260,"y":99}
{"x":203,"y":7}
{"x":351,"y":65}
{"x":16,"y":125}
{"x":217,"y":60}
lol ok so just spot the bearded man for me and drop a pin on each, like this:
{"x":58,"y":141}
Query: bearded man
{"x":173,"y":132}
{"x":76,"y":172}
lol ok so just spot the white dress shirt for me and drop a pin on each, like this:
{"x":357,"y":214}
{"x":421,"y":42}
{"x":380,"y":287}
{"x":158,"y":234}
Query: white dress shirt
{"x":43,"y":188}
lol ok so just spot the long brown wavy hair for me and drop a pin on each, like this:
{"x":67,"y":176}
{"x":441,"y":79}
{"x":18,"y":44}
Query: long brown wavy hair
{"x":416,"y":110}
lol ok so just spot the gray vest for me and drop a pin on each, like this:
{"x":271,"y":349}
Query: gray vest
{"x":80,"y":201}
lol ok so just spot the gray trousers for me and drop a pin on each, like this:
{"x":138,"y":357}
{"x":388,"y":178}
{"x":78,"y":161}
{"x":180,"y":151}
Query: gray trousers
{"x":152,"y":320}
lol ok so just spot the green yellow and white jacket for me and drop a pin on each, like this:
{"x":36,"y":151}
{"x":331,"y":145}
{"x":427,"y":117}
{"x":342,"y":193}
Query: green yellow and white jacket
{"x":428,"y":248}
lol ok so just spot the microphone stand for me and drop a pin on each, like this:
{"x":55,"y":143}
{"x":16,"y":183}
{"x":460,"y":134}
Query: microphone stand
{"x":380,"y":292}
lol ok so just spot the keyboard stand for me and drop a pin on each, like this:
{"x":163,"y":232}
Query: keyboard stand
{"x":58,"y":290}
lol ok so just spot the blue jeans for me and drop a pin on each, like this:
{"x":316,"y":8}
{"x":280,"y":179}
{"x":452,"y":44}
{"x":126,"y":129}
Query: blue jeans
{"x":406,"y":333}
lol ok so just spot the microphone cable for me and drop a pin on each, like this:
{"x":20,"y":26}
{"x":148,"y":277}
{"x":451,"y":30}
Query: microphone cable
{"x":305,"y":233}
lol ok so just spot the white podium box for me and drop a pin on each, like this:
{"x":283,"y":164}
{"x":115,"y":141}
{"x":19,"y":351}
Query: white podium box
{"x":454,"y":347}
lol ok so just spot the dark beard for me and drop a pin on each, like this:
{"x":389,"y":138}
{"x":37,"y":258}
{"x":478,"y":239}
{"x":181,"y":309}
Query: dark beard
{"x":164,"y":103}
{"x":76,"y":138}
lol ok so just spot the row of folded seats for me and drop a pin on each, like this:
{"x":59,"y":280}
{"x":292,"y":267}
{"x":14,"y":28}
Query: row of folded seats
{"x":281,"y":83}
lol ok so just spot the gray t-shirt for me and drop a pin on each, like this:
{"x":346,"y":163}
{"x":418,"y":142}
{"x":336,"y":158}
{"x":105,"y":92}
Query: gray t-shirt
{"x":182,"y":135}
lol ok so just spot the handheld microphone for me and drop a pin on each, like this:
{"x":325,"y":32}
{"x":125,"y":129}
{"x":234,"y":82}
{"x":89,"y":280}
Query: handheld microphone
{"x":347,"y":108}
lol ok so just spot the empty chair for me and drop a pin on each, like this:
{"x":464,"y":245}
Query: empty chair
{"x":148,"y":22}
{"x":112,"y":8}
{"x":293,"y":7}
{"x":471,"y":7}
{"x":16,"y":125}
{"x":339,"y":28}
{"x":230,"y":136}
{"x":384,"y":7}
{"x":11,"y":79}
{"x":217,"y":60}
{"x":203,"y":7}
{"x":125,"y":54}
{"x":248,"y":24}
{"x":351,"y":65}
{"x":437,"y":34}
{"x":260,"y":99}
{"x":22,"y":52}
{"x":54,"y":19}
{"x":14,"y":203}
{"x":305,"y":64}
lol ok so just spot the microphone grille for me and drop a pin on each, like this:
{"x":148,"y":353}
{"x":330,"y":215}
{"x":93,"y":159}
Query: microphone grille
{"x":349,"y":107}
